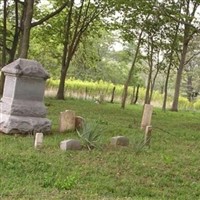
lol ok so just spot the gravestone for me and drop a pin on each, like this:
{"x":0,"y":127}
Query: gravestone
{"x":119,"y":141}
{"x":147,"y":135}
{"x":22,"y":110}
{"x":146,"y":117}
{"x":38,"y":140}
{"x":67,"y":121}
{"x":79,"y":122}
{"x":70,"y":144}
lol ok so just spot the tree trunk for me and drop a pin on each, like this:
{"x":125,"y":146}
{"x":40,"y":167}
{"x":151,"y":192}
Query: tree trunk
{"x":26,"y":28}
{"x":16,"y":35}
{"x":2,"y":78}
{"x":147,"y":94}
{"x":113,"y":95}
{"x":61,"y":89}
{"x":152,"y":85}
{"x":180,"y":70}
{"x":136,"y":94}
{"x":130,"y":74}
{"x":165,"y":88}
{"x":133,"y":95}
{"x":189,"y":87}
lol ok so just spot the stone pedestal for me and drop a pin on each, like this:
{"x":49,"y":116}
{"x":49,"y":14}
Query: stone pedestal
{"x":22,"y":110}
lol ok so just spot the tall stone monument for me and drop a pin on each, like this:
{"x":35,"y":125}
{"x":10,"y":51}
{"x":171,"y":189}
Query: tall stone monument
{"x":22,"y":110}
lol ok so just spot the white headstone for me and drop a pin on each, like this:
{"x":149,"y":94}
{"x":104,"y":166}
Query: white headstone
{"x":146,"y":117}
{"x":38,"y":140}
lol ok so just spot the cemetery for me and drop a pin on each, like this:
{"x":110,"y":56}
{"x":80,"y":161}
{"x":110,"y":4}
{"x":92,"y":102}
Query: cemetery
{"x":99,"y":100}
{"x":65,"y":155}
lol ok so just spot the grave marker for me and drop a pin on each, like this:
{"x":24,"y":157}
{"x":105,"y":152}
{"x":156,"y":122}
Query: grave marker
{"x":22,"y":110}
{"x":67,"y":121}
{"x":146,"y":117}
{"x":38,"y":140}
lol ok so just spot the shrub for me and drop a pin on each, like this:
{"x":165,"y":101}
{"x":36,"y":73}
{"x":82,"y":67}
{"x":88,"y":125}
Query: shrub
{"x":89,"y":134}
{"x":183,"y":103}
{"x":196,"y":105}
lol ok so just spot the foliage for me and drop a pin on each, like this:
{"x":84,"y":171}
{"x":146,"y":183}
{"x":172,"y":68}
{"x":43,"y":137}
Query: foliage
{"x":197,"y":105}
{"x":89,"y":134}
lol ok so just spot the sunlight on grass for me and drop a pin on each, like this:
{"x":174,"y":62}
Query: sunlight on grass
{"x":167,"y":170}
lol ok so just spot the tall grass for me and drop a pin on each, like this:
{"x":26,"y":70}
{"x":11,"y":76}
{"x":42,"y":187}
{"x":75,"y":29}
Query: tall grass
{"x":102,"y":91}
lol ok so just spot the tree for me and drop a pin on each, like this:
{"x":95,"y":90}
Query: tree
{"x":22,"y":27}
{"x":186,"y":16}
{"x":4,"y":44}
{"x":25,"y":28}
{"x":78,"y":19}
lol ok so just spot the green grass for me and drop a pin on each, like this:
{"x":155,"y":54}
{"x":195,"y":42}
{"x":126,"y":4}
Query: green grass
{"x":168,"y":170}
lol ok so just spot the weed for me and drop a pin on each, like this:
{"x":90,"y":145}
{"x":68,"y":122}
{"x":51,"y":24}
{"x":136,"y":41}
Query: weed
{"x":89,"y":134}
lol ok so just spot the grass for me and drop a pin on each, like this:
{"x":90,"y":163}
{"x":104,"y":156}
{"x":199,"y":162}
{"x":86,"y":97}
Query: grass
{"x":168,"y":170}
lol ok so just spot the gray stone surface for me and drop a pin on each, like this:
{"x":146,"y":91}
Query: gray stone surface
{"x":38,"y":140}
{"x":24,"y":67}
{"x":70,"y":144}
{"x":67,"y":121}
{"x":22,"y":110}
{"x":79,"y":122}
{"x":119,"y":141}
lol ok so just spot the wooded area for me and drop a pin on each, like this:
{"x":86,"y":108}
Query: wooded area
{"x":77,"y":39}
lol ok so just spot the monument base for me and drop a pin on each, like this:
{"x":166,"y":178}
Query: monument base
{"x":11,"y":124}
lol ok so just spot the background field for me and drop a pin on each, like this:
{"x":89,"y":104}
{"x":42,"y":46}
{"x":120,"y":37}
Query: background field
{"x":168,"y":170}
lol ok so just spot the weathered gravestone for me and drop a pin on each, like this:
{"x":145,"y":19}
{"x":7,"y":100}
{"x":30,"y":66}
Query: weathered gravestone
{"x":21,"y":108}
{"x":70,"y":144}
{"x":119,"y":141}
{"x":147,"y":135}
{"x":67,"y":121}
{"x":146,"y":117}
{"x":79,"y":122}
{"x":38,"y":140}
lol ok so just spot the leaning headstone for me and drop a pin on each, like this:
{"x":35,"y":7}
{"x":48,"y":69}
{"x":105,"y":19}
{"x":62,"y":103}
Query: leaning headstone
{"x":21,"y":108}
{"x":79,"y":122}
{"x":119,"y":141}
{"x":146,"y":117}
{"x":67,"y":121}
{"x":147,"y":135}
{"x":38,"y":140}
{"x":70,"y":144}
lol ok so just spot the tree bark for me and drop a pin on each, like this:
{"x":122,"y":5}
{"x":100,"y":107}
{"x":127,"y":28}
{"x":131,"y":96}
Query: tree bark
{"x":165,"y":88}
{"x":150,"y":61}
{"x":189,"y":87}
{"x":16,"y":35}
{"x":65,"y":57}
{"x":26,"y":28}
{"x":4,"y":45}
{"x":180,"y":69}
{"x":136,"y":94}
{"x":133,"y":95}
{"x":113,"y":95}
{"x":130,"y":74}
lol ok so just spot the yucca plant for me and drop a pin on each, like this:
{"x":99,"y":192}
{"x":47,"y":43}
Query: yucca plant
{"x":89,"y":134}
